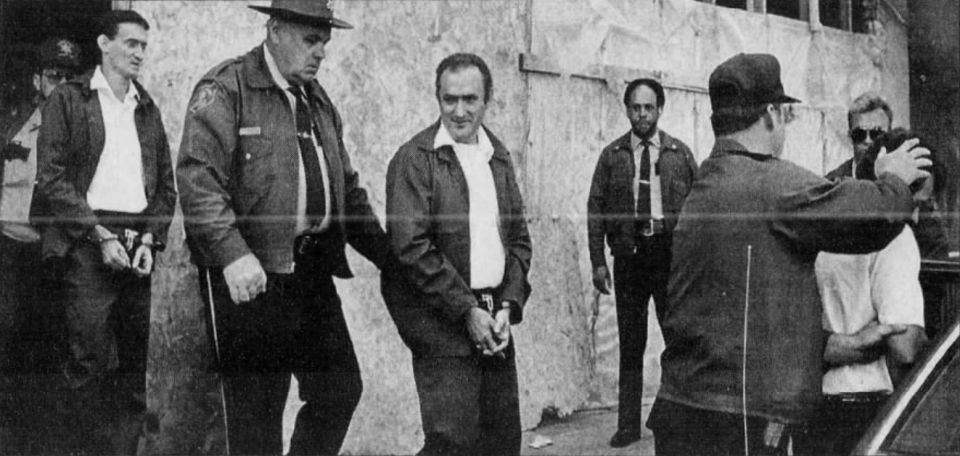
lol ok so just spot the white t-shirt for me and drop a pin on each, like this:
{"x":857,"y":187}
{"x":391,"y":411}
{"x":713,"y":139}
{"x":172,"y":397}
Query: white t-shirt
{"x":856,"y":290}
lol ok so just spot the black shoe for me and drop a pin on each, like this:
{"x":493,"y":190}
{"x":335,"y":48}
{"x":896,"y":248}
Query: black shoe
{"x":624,"y":437}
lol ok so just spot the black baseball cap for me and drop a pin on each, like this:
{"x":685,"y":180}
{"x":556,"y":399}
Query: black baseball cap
{"x":747,"y":80}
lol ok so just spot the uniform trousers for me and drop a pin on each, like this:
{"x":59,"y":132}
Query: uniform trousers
{"x":261,"y":343}
{"x":637,"y":278}
{"x":469,"y":405}
{"x":32,"y":345}
{"x":19,"y":271}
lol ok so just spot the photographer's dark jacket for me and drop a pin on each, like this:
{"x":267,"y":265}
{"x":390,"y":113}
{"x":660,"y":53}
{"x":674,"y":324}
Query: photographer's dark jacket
{"x":68,"y":152}
{"x":238,"y":172}
{"x":754,"y":222}
{"x":612,"y":204}
{"x":426,"y":286}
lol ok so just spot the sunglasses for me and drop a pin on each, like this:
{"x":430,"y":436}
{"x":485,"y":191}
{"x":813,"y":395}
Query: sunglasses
{"x":859,"y":135}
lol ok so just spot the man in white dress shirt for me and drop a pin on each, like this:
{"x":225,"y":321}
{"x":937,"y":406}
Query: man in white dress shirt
{"x":461,"y":254}
{"x":105,"y":199}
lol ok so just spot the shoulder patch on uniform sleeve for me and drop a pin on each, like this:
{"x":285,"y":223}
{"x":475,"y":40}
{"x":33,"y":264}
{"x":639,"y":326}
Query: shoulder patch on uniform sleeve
{"x":204,"y":95}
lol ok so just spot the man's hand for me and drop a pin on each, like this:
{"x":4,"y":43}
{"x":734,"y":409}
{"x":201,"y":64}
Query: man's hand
{"x":864,"y":346}
{"x":143,"y":258}
{"x":502,"y":330}
{"x":245,"y":278}
{"x":143,"y":261}
{"x":601,"y":279}
{"x":483,"y":331}
{"x":905,"y":162}
{"x":114,"y":255}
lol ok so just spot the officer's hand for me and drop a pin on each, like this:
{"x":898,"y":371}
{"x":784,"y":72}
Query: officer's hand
{"x":245,"y":278}
{"x":601,"y":279}
{"x":502,"y":330}
{"x":143,"y":261}
{"x":482,"y":329}
{"x":905,"y":162}
{"x":114,"y":255}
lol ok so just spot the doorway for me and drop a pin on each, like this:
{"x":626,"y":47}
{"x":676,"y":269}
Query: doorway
{"x":24,"y":24}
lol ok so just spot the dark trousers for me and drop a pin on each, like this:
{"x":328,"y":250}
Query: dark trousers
{"x":19,"y":271}
{"x":680,"y":430}
{"x":469,"y":405}
{"x":261,"y":343}
{"x":108,"y":326}
{"x":839,"y":424}
{"x":32,"y":349}
{"x":637,"y":278}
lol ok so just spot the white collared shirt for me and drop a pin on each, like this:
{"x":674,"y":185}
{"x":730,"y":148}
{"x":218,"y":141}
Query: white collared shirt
{"x":302,"y":175}
{"x":653,"y":180}
{"x":857,"y":290}
{"x":118,"y":183}
{"x":487,"y":257}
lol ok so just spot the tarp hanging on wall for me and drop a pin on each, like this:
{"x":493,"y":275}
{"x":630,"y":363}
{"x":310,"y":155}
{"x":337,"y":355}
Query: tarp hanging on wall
{"x":681,"y":42}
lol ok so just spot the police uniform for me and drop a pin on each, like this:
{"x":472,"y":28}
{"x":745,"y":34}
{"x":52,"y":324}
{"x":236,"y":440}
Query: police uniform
{"x":28,"y":347}
{"x":246,"y":186}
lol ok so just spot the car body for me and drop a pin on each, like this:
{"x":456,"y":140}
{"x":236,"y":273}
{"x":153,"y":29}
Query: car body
{"x":923,"y":415}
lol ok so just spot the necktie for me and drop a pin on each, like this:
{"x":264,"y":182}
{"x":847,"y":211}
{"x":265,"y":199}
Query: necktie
{"x":316,"y":206}
{"x":643,"y":191}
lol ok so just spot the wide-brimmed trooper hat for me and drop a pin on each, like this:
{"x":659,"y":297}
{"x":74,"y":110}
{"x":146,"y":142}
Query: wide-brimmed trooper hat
{"x":310,"y":12}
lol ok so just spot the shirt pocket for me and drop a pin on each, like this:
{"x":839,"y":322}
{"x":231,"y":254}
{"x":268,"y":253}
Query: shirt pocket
{"x":257,"y":169}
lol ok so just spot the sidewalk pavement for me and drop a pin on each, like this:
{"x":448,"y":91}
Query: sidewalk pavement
{"x":586,"y":433}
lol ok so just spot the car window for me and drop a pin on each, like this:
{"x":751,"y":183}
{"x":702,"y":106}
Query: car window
{"x":933,"y":424}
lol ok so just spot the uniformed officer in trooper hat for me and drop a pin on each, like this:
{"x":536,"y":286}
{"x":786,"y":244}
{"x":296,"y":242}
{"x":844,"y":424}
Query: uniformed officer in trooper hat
{"x":25,"y":310}
{"x":270,"y":199}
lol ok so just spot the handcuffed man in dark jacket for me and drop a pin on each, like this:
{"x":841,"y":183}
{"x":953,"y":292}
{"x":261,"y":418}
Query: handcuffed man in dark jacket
{"x":744,"y":346}
{"x":456,"y":226}
{"x":105,"y":199}
{"x":270,"y":200}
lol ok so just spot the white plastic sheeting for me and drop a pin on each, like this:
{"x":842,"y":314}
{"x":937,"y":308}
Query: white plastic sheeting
{"x":681,"y":41}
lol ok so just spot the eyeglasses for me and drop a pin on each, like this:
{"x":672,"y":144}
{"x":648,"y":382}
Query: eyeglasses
{"x":859,"y":135}
{"x":55,"y":75}
{"x":786,"y":112}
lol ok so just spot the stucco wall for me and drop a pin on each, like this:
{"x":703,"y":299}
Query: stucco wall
{"x":380,"y":75}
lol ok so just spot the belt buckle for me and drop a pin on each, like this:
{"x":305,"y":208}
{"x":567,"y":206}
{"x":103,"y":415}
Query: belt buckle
{"x":487,"y":300}
{"x":649,"y":229}
{"x":303,"y":244}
